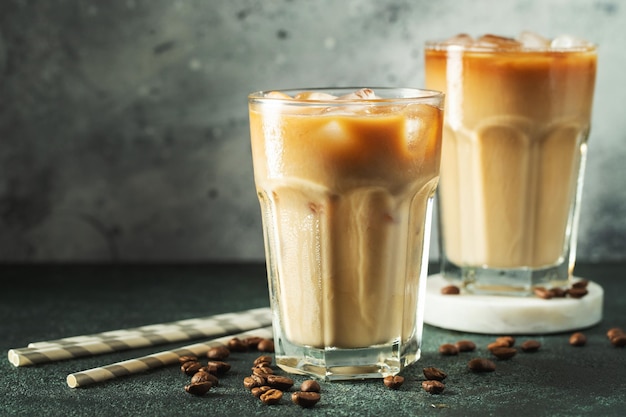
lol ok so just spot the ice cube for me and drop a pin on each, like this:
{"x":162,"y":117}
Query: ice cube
{"x":314,"y":96}
{"x":497,"y":42}
{"x":532,"y":40}
{"x":568,"y":42}
{"x":462,"y":39}
{"x":333,"y":130}
{"x":277,"y":94}
{"x":362,"y":94}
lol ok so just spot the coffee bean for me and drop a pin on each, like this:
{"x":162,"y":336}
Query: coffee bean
{"x":481,"y":365}
{"x":217,"y":367}
{"x":497,"y":344}
{"x":258,"y":391}
{"x":187,"y":358}
{"x":433,"y":386}
{"x":310,"y":385}
{"x":263,"y":360}
{"x":542,"y":292}
{"x":262,"y":370}
{"x":530,"y":346}
{"x":434,"y":374}
{"x":619,"y":340}
{"x":393,"y":381}
{"x":305,"y":399}
{"x":254,"y":381}
{"x":202,"y":376}
{"x":583,"y":283}
{"x":506,"y":340}
{"x":218,"y":353}
{"x":577,"y":292}
{"x":465,"y":346}
{"x":237,"y":345}
{"x":615,"y":331}
{"x":198,"y":388}
{"x":271,"y":396}
{"x":558,"y":292}
{"x":578,"y":339}
{"x":448,"y":349}
{"x":252,"y":342}
{"x":190,"y":367}
{"x":266,"y":345}
{"x":504,"y":352}
{"x":280,"y":382}
{"x":450,"y":290}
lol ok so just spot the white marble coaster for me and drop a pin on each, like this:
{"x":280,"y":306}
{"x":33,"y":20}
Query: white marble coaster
{"x":495,"y":314}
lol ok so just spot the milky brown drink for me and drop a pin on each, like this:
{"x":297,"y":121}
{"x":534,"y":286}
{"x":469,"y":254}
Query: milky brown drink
{"x":516,"y":125}
{"x":345,"y":186}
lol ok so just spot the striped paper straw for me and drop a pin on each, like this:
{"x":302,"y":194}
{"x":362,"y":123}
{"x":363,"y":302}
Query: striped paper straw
{"x":152,"y":335}
{"x":157,"y":360}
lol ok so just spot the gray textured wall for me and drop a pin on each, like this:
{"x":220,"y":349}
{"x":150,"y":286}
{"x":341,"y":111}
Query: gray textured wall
{"x":123,"y":124}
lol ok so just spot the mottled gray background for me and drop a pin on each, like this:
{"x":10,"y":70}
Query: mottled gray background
{"x":123,"y":124}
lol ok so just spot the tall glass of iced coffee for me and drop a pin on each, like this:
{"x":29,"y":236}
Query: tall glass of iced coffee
{"x":514,"y":145}
{"x":345,"y":180}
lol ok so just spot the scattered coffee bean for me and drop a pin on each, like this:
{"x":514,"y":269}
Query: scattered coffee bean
{"x":481,"y":365}
{"x":558,"y":292}
{"x":258,"y":391}
{"x":503,"y":352}
{"x":615,"y":331}
{"x":237,"y":345}
{"x":254,"y":381}
{"x":198,"y":388}
{"x":263,"y":360}
{"x":497,"y":344}
{"x":190,"y":367}
{"x":542,"y":292}
{"x":433,"y":373}
{"x":465,"y":346}
{"x":305,"y":399}
{"x":280,"y":382}
{"x":186,"y":358}
{"x":577,"y":292}
{"x":448,"y":349}
{"x":252,"y":342}
{"x":433,"y":386}
{"x":619,"y":340}
{"x":393,"y":381}
{"x":310,"y":385}
{"x":583,"y":283}
{"x":218,"y":353}
{"x":217,"y":367}
{"x":202,"y":376}
{"x":578,"y":339}
{"x":530,"y":346}
{"x":506,"y":340}
{"x":262,"y":370}
{"x":266,"y":345}
{"x":271,"y":396}
{"x":450,"y":290}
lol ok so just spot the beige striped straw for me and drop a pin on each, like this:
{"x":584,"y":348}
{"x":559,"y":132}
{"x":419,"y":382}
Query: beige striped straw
{"x":157,"y":360}
{"x":152,"y":335}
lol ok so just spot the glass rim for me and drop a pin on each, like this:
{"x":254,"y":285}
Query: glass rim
{"x":411,"y":94}
{"x":444,"y":45}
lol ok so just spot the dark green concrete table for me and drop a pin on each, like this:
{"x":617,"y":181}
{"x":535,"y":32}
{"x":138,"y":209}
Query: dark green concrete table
{"x":48,"y":302}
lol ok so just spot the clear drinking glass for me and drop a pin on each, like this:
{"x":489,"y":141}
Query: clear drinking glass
{"x":346,"y":187}
{"x":513,"y":157}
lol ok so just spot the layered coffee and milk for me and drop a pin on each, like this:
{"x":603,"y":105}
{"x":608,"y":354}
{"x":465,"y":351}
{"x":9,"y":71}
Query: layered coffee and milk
{"x":345,"y":190}
{"x":517,"y":118}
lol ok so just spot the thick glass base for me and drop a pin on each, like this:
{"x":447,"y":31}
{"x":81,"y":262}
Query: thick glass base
{"x":507,"y":281}
{"x":333,"y":364}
